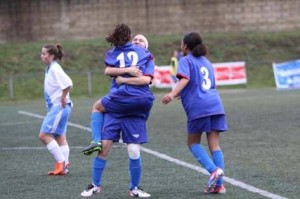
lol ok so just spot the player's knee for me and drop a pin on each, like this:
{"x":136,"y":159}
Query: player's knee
{"x":98,"y":107}
{"x":133,"y":151}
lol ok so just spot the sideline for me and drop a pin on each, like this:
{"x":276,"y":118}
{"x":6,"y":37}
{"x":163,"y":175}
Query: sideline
{"x":231,"y":181}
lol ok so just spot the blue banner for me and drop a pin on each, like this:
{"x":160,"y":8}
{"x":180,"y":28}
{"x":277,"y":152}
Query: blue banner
{"x":287,"y":74}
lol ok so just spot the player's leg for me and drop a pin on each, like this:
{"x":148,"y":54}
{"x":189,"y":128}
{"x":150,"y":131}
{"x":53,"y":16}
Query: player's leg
{"x":199,"y":152}
{"x":48,"y":129}
{"x":98,"y":167}
{"x":61,"y":136}
{"x":217,"y":122}
{"x":97,"y":118}
{"x":134,"y":133}
{"x":109,"y":135}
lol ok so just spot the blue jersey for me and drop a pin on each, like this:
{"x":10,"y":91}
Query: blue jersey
{"x":200,"y":97}
{"x":126,"y":56}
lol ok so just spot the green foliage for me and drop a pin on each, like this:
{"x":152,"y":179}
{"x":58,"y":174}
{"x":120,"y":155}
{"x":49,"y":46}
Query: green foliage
{"x":259,"y":50}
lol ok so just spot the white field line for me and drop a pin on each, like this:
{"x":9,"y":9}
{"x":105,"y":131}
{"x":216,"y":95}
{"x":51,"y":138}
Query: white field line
{"x":182,"y":163}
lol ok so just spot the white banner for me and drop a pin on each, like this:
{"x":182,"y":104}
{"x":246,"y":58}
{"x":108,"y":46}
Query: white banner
{"x":287,"y":74}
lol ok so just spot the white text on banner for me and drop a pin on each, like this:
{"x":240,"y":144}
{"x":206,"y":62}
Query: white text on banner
{"x":287,"y":74}
{"x":227,"y":73}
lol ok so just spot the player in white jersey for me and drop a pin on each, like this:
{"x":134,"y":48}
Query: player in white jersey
{"x":57,"y":85}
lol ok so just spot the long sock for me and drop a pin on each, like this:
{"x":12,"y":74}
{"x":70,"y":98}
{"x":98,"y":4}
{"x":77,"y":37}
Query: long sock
{"x":55,"y":150}
{"x":135,"y":169}
{"x":218,"y":159}
{"x":65,"y":149}
{"x":202,"y":156}
{"x":97,"y":119}
{"x":98,"y":168}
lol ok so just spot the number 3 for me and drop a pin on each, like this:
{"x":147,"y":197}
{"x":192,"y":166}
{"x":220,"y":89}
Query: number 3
{"x":206,"y":83}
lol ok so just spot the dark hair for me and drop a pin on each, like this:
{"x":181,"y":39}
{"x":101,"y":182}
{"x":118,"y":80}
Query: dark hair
{"x":120,"y":36}
{"x":194,"y":43}
{"x":55,"y":50}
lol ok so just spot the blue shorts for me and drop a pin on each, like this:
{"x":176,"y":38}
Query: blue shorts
{"x":133,"y":129}
{"x":127,"y":107}
{"x":56,"y":120}
{"x":207,"y":124}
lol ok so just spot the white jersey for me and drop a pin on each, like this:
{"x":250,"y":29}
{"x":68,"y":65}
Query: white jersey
{"x":56,"y":80}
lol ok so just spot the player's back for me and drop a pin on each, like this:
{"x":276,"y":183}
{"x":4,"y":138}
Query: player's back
{"x":127,"y":55}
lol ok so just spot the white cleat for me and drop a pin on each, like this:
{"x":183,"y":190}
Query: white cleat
{"x":138,"y":192}
{"x":90,"y":190}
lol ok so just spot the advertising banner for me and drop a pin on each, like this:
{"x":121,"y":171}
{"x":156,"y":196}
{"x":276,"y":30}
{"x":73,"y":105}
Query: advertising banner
{"x":228,"y":73}
{"x":287,"y":74}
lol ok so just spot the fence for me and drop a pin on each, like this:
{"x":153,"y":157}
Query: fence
{"x":30,"y":86}
{"x":95,"y":83}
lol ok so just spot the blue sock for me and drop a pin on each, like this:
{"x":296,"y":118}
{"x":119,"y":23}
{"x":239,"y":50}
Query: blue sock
{"x":98,"y":167}
{"x":218,"y":159}
{"x":202,"y":156}
{"x":135,"y":169}
{"x":97,"y":125}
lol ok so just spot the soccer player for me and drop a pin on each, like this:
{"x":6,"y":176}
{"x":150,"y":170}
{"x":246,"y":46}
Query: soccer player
{"x":174,"y":66}
{"x":203,"y":107}
{"x":57,"y":85}
{"x":126,"y":108}
{"x":98,"y":110}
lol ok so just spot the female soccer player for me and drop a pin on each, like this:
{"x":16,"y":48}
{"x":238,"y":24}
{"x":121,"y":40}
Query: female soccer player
{"x":97,"y":116}
{"x":126,"y":107}
{"x":57,"y":85}
{"x":203,"y":106}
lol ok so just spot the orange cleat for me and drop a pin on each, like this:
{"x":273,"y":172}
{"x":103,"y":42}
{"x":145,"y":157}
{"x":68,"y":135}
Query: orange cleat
{"x":58,"y":169}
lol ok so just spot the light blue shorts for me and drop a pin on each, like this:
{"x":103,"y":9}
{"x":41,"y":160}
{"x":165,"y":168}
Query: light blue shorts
{"x":56,"y":120}
{"x":207,"y":124}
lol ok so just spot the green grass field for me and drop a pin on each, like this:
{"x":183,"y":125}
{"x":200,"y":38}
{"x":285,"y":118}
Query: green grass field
{"x":261,"y":151}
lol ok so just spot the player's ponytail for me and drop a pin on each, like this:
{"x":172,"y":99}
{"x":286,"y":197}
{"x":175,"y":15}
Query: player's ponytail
{"x":55,"y":50}
{"x":195,"y":44}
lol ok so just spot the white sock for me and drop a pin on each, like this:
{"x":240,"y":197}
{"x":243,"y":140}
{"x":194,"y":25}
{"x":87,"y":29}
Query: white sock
{"x":55,"y":150}
{"x":66,"y":151}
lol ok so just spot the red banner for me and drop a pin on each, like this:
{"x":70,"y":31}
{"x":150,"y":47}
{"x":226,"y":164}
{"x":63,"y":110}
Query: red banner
{"x":228,"y":73}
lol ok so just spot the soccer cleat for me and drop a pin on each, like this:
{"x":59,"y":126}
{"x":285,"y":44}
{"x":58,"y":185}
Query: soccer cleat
{"x":138,"y":192}
{"x":94,"y":146}
{"x":215,"y":190}
{"x":66,"y":170}
{"x":58,"y":169}
{"x":90,"y":190}
{"x":217,"y":174}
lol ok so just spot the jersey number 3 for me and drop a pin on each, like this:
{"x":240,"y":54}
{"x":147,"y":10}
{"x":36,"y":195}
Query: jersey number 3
{"x":132,"y":56}
{"x":207,"y":82}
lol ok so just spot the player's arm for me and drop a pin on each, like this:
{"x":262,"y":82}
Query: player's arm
{"x":176,"y":91}
{"x":141,"y":80}
{"x":133,"y":71}
{"x":64,"y":96}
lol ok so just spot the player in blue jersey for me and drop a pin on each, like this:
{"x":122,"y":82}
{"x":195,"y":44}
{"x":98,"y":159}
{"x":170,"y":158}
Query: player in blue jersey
{"x":57,"y":85}
{"x":98,"y":110}
{"x":126,"y":107}
{"x":203,"y":107}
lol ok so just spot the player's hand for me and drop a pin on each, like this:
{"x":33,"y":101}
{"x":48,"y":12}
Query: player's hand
{"x":120,"y":80}
{"x":134,"y":71}
{"x":167,"y":98}
{"x":63,"y":102}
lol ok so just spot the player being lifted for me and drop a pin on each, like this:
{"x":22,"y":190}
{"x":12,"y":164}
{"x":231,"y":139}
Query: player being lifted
{"x":126,"y":108}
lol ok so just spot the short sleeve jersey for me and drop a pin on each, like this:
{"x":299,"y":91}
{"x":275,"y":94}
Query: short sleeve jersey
{"x":200,"y":97}
{"x":126,"y":56}
{"x":56,"y":80}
